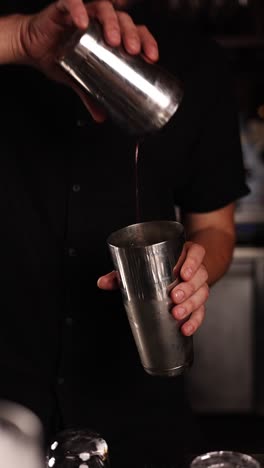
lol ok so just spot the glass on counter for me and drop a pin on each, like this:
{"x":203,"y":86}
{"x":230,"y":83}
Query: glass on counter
{"x":78,"y":448}
{"x":225,"y":459}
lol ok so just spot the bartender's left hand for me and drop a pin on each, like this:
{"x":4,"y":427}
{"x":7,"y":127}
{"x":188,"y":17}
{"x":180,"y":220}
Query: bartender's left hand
{"x":40,"y":36}
{"x":189,"y":296}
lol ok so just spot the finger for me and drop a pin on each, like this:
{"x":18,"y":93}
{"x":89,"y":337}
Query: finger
{"x":194,"y":258}
{"x":105,"y":13}
{"x":187,"y":307}
{"x":129,"y":33}
{"x":108,"y":282}
{"x":186,"y":289}
{"x":77,"y":11}
{"x":148,"y":44}
{"x":194,"y":322}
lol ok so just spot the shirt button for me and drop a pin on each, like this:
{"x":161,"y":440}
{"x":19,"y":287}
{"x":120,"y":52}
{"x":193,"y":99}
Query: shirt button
{"x":69,"y":321}
{"x":60,"y":380}
{"x":76,"y":188}
{"x":81,"y":123}
{"x":72,"y":252}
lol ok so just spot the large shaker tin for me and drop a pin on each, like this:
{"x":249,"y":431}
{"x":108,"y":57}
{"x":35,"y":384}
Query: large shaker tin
{"x":148,"y":257}
{"x":140,"y":97}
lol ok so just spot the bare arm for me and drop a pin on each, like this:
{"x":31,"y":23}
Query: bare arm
{"x":209,"y":248}
{"x":215,"y":231}
{"x":10,"y":46}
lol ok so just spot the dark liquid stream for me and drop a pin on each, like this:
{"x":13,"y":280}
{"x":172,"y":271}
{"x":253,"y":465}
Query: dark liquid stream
{"x":138,"y":214}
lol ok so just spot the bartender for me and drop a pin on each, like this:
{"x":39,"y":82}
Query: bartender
{"x":68,"y":181}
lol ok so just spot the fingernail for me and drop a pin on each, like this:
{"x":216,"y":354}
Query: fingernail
{"x":115,"y":35}
{"x":180,"y":312}
{"x":153,"y":52}
{"x":187,"y":272}
{"x":188,"y":330}
{"x":133,"y":44}
{"x":179,"y":295}
{"x":83,"y":21}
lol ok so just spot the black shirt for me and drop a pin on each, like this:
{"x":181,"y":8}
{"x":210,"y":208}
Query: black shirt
{"x":65,"y":184}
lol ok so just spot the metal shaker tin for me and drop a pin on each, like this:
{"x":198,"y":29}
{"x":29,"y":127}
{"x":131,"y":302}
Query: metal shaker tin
{"x":138,"y":96}
{"x":148,"y":257}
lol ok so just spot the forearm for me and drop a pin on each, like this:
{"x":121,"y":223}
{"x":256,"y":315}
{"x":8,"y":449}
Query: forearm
{"x":11,"y":49}
{"x":219,"y":246}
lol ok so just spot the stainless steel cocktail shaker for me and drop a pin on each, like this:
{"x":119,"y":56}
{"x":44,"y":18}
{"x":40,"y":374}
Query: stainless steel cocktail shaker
{"x":148,"y":257}
{"x":140,"y":97}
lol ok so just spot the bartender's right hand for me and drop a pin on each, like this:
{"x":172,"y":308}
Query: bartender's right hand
{"x":41,"y":34}
{"x":108,"y":282}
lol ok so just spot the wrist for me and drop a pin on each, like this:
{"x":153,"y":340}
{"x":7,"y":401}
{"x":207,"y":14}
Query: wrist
{"x":20,"y":40}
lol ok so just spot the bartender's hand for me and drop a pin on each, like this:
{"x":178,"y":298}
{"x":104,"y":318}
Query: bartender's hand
{"x":189,"y":296}
{"x":42,"y":33}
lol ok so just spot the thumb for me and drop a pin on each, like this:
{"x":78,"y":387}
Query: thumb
{"x":108,"y":282}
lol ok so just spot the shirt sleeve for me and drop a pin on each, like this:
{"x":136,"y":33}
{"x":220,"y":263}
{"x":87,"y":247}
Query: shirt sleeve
{"x":216,"y":167}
